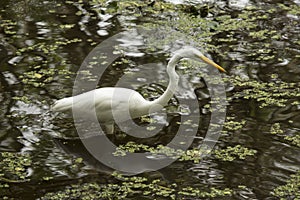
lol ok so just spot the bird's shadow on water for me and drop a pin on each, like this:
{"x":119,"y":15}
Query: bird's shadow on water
{"x":73,"y":145}
{"x":76,"y":148}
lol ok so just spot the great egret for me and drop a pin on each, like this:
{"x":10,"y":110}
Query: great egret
{"x":111,"y":103}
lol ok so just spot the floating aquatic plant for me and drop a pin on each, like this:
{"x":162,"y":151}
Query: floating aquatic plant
{"x":13,"y":167}
{"x":275,"y":129}
{"x":134,"y":186}
{"x":231,"y":153}
{"x":266,"y":93}
{"x":293,"y":138}
{"x":291,"y":190}
{"x":232,"y":125}
{"x":228,"y":154}
{"x":132,"y":147}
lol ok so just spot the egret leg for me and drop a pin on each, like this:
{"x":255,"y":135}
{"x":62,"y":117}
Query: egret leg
{"x":110,"y":128}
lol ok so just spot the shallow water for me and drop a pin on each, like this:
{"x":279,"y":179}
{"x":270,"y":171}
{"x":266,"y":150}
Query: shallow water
{"x":63,"y":34}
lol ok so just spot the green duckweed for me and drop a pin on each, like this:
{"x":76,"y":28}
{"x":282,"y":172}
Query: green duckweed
{"x":231,"y":153}
{"x":13,"y":167}
{"x":134,"y":186}
{"x":292,"y":138}
{"x":290,"y":190}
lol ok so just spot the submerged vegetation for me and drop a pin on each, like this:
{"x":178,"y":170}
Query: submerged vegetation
{"x":257,"y":44}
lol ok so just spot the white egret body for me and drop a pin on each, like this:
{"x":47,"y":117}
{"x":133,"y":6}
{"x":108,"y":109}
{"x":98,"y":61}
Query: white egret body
{"x":111,"y":103}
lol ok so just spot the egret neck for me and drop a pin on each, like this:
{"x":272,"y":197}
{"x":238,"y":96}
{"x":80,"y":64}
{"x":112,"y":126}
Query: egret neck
{"x":173,"y":82}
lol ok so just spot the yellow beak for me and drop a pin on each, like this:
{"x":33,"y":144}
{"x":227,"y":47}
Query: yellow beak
{"x":210,"y":62}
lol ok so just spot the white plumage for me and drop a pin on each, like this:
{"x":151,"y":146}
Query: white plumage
{"x":120,"y":104}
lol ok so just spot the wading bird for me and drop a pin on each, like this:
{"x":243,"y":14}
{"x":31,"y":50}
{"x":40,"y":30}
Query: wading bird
{"x":111,"y":104}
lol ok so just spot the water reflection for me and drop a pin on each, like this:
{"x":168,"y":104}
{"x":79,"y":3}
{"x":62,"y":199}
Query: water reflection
{"x":51,"y":140}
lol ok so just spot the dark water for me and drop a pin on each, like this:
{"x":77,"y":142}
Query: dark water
{"x":28,"y":127}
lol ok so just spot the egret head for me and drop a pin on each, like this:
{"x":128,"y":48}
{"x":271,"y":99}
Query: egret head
{"x":192,"y":53}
